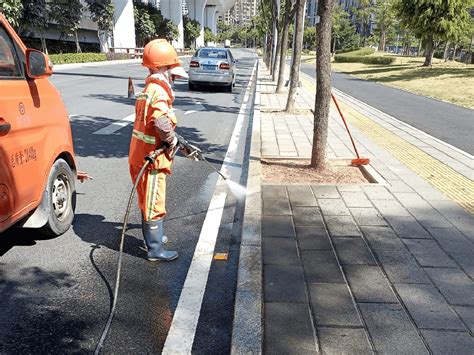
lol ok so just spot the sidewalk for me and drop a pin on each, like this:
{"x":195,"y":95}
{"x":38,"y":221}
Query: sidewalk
{"x":374,"y":268}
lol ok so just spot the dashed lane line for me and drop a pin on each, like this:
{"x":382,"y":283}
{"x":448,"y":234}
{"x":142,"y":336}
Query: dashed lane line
{"x":114,"y":127}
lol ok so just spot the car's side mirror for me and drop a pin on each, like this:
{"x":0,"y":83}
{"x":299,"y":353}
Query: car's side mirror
{"x":37,"y":64}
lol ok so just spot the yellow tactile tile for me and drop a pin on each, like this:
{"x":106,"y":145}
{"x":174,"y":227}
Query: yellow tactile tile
{"x":445,"y":179}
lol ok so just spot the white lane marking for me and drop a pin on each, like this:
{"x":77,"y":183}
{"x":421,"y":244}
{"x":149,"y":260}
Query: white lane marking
{"x":114,"y":127}
{"x":197,"y":107}
{"x":181,"y":335}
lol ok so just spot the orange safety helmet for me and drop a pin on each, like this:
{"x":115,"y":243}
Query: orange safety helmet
{"x":159,"y":53}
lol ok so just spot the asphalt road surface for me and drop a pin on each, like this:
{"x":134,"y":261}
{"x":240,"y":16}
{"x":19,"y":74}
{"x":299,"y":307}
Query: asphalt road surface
{"x":450,"y":123}
{"x":55,"y":294}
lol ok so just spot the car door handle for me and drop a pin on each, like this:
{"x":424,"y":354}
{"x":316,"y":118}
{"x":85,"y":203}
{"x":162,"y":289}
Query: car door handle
{"x":4,"y":127}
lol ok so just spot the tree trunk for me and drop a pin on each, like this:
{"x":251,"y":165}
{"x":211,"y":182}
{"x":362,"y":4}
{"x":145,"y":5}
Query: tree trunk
{"x":276,"y":48}
{"x":276,"y":56}
{"x":429,"y":51}
{"x":446,"y":49}
{"x":334,"y":46}
{"x":295,"y":68}
{"x":78,"y":47}
{"x":44,"y":48}
{"x":454,"y":52}
{"x":382,"y":40}
{"x":323,"y":83}
{"x":419,"y":48}
{"x":284,"y":46}
{"x":469,"y":56}
{"x":268,"y":53}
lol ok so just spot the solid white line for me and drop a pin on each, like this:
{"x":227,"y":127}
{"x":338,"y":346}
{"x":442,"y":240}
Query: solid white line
{"x":114,"y":127}
{"x":181,"y":335}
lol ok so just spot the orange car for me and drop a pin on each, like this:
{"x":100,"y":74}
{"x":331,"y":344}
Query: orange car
{"x":37,"y":165}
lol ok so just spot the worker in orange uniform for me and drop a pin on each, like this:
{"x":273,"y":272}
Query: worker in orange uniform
{"x":153,"y":128}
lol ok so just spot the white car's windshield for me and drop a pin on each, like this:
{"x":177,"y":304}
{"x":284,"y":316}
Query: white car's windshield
{"x":212,"y":53}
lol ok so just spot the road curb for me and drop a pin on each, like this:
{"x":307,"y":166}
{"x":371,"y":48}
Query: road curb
{"x":247,"y":323}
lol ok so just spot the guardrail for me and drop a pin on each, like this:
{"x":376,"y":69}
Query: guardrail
{"x":131,"y":52}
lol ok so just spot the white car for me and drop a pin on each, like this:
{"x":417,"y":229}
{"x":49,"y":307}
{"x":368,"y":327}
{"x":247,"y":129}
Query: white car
{"x":212,"y":66}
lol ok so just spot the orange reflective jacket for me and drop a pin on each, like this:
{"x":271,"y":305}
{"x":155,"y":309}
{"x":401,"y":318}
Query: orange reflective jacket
{"x":155,"y":101}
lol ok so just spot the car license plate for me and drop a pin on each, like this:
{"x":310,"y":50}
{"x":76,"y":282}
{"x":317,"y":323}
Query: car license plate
{"x":209,"y":67}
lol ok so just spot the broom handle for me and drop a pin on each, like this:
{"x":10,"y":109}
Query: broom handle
{"x":345,"y":124}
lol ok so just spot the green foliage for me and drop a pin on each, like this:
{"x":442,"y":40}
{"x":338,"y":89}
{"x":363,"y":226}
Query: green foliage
{"x":309,"y":38}
{"x":363,"y":13}
{"x":67,"y":14}
{"x":102,"y":13}
{"x":11,"y":9}
{"x":144,"y":26}
{"x":208,"y":35}
{"x":343,"y":31}
{"x":361,"y":52}
{"x":435,"y":19}
{"x":385,"y":17}
{"x":192,"y":30}
{"x":35,"y":16}
{"x":77,"y":58}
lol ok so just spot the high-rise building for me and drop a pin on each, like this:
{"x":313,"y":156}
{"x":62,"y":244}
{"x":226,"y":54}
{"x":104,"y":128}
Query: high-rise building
{"x":242,"y":12}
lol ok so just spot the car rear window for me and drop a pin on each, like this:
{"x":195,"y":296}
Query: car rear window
{"x":8,"y":60}
{"x":212,"y":53}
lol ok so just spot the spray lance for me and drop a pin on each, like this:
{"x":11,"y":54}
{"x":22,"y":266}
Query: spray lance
{"x":190,"y":151}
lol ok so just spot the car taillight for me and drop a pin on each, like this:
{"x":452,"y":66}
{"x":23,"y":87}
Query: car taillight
{"x":194,"y":64}
{"x":224,"y":66}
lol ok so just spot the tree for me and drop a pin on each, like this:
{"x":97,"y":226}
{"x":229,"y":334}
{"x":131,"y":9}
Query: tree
{"x":102,"y":13}
{"x":12,"y":11}
{"x":343,"y":31}
{"x":434,"y":21}
{"x":284,"y":44}
{"x":295,"y":65}
{"x":67,"y":14}
{"x":309,"y":38}
{"x":36,"y":16}
{"x":363,"y":13}
{"x":384,"y":20}
{"x":192,"y":30}
{"x":323,"y":83}
{"x":208,"y":35}
{"x":144,"y":26}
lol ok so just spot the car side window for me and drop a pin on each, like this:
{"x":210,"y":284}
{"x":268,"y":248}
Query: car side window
{"x":9,"y":63}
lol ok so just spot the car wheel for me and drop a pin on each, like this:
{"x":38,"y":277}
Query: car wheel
{"x":191,"y":86}
{"x":61,"y":192}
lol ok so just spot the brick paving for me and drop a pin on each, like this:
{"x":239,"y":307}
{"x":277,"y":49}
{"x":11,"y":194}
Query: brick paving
{"x":370,"y":268}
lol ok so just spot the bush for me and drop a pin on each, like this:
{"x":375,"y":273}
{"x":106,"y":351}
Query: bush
{"x":378,"y":60}
{"x":361,"y":52}
{"x":77,"y":58}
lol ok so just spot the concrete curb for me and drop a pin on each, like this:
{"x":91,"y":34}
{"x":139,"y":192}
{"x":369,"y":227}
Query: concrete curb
{"x":247,"y":331}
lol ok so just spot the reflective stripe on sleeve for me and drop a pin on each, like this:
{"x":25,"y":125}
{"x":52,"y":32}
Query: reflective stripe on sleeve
{"x":143,"y":137}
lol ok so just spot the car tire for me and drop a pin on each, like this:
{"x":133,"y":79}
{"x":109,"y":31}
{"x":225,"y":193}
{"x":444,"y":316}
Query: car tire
{"x":61,"y":192}
{"x":191,"y":86}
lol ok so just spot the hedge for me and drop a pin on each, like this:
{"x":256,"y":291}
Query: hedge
{"x":344,"y":58}
{"x":77,"y":58}
{"x":358,"y":52}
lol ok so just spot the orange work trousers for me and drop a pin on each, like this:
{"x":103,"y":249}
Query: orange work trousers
{"x":151,"y":191}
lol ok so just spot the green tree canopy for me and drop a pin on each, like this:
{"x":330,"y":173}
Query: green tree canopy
{"x":36,"y":16}
{"x":11,"y":9}
{"x":208,"y":35}
{"x":309,"y":38}
{"x":343,"y":31}
{"x":102,"y":13}
{"x":435,"y":20}
{"x":144,"y":26}
{"x":192,"y":30}
{"x":67,"y":14}
{"x":384,"y":20}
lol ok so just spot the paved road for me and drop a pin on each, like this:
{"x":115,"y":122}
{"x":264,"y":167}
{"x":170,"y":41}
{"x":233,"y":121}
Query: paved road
{"x":55,"y":294}
{"x":450,"y":123}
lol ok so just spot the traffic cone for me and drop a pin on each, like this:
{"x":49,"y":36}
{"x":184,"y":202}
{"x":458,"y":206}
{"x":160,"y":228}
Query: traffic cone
{"x":131,"y":90}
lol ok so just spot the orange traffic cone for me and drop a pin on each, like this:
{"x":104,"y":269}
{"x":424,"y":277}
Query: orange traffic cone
{"x":131,"y":90}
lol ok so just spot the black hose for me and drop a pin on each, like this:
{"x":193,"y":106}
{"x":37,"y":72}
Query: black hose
{"x":149,"y":159}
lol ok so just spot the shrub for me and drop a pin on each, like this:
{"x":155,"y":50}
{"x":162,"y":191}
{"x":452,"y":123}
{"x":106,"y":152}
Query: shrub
{"x":378,"y":60}
{"x":359,"y":52}
{"x":77,"y":58}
